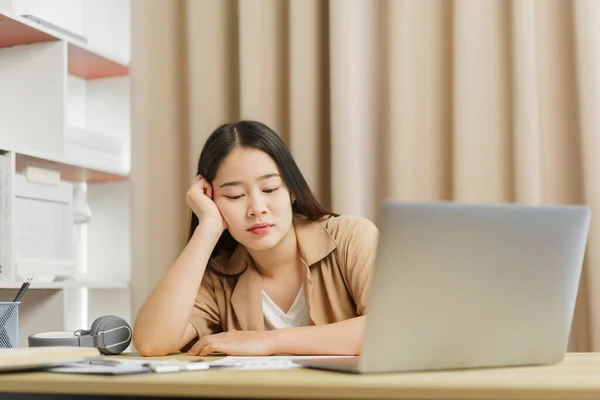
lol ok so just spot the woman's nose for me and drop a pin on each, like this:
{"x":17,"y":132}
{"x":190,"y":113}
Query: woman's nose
{"x":257,"y":206}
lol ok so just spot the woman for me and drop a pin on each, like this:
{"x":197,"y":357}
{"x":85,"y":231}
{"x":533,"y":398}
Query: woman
{"x":266,"y":269}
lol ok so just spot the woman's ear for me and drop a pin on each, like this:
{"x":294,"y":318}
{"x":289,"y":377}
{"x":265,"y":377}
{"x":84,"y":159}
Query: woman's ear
{"x":292,"y":198}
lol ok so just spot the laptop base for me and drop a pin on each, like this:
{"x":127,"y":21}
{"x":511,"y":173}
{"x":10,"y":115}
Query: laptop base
{"x":342,"y":364}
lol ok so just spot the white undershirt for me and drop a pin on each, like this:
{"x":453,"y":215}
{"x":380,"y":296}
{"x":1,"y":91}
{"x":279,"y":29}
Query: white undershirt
{"x":274,"y":318}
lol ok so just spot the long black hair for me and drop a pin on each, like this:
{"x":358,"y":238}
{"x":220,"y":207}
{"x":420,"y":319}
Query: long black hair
{"x":256,"y":135}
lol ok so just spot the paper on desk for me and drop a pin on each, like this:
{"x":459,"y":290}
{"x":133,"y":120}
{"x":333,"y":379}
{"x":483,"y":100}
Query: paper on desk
{"x":122,"y":366}
{"x":264,"y":363}
{"x":113,"y":366}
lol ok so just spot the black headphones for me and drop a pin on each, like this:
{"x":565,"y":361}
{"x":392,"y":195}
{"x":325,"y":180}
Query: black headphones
{"x":109,"y":334}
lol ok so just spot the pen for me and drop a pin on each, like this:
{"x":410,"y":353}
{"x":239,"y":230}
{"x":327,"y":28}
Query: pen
{"x":8,"y":313}
{"x":195,"y":366}
{"x":22,"y":290}
{"x":102,"y":362}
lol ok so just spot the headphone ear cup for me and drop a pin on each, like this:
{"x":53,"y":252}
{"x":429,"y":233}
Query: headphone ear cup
{"x":94,"y":329}
{"x":116,"y":334}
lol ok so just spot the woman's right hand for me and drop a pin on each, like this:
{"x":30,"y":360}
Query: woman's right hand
{"x":199,"y":198}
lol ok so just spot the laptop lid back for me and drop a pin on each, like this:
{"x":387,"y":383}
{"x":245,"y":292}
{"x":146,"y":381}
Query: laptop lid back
{"x":466,"y":285}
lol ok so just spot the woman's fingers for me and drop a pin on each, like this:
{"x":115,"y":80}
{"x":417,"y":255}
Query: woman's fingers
{"x":203,"y":208}
{"x":196,"y":348}
{"x":204,"y":185}
{"x":209,"y":190}
{"x":200,"y":182}
{"x":196,"y":180}
{"x":209,"y":348}
{"x":202,"y":344}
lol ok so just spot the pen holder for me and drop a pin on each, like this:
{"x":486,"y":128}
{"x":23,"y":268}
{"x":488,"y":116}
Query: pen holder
{"x":9,"y":325}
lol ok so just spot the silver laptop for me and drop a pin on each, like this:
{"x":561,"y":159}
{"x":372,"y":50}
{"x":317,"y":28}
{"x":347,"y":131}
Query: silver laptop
{"x":467,"y":286}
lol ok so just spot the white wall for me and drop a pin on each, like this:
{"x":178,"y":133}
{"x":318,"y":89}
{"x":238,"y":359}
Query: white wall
{"x":108,"y":232}
{"x":107,"y":27}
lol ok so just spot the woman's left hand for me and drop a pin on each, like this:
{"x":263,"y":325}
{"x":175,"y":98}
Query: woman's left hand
{"x":235,"y":343}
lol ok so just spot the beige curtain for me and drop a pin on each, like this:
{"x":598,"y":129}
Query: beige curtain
{"x":485,"y":101}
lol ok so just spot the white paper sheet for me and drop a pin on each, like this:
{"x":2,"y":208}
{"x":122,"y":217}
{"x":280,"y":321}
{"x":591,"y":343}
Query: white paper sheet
{"x":113,"y":366}
{"x":264,"y":363}
{"x":122,"y":366}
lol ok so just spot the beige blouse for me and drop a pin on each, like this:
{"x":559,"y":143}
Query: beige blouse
{"x":337,"y":255}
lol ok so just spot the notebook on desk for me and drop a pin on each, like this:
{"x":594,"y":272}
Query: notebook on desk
{"x":22,"y":359}
{"x":467,"y":286}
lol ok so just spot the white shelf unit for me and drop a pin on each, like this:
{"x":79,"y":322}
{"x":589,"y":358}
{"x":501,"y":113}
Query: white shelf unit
{"x":66,"y":108}
{"x":65,"y":117}
{"x":105,"y":24}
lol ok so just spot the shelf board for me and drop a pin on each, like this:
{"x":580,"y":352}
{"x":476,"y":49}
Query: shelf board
{"x":84,"y":62}
{"x":88,"y":65}
{"x":15,"y":33}
{"x":68,"y":172}
{"x":67,"y":285}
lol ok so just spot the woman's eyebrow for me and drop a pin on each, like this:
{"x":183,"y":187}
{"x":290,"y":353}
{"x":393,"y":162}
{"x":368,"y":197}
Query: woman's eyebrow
{"x":236,"y":183}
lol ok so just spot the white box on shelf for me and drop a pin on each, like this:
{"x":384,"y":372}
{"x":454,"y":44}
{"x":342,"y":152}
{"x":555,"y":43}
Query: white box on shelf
{"x":42,"y":175}
{"x":44,"y":242}
{"x":32,"y":107}
{"x":98,"y":125}
{"x":93,"y":150}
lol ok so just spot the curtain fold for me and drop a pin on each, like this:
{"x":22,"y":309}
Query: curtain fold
{"x":309,"y":93}
{"x":159,"y":136}
{"x":419,"y":136}
{"x":587,"y":49}
{"x":463,"y":100}
{"x":525,"y":125}
{"x":212,"y":74}
{"x":353,"y":108}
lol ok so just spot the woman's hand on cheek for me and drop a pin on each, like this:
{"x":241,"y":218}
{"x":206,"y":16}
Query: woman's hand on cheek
{"x":200,"y":198}
{"x":235,"y":343}
{"x":222,"y":218}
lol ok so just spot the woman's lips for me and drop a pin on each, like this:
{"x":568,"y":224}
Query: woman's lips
{"x":261,"y":230}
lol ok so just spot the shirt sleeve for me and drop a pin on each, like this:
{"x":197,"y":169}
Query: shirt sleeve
{"x":358,"y":245}
{"x":205,"y":313}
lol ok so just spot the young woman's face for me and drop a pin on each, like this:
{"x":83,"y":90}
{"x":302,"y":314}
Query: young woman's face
{"x":253,"y":198}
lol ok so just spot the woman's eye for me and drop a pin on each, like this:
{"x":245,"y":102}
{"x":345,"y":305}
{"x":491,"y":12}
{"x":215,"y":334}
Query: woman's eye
{"x":234,"y":197}
{"x":270,"y":190}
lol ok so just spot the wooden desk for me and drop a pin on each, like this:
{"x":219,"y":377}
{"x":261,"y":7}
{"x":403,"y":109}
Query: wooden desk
{"x":577,"y":377}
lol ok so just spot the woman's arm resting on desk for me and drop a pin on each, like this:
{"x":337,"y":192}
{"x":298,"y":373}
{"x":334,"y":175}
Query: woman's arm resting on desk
{"x":162,"y":325}
{"x":340,"y":338}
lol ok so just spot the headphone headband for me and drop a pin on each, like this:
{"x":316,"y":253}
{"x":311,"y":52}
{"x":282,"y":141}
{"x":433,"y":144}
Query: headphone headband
{"x":110,"y":334}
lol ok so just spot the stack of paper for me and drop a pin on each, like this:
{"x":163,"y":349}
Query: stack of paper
{"x":42,"y":357}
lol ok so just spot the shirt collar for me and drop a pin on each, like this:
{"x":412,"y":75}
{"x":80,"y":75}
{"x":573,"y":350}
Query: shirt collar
{"x":314,"y":242}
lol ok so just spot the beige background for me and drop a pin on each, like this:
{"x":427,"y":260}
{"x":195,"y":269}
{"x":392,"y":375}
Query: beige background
{"x":466,"y":100}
